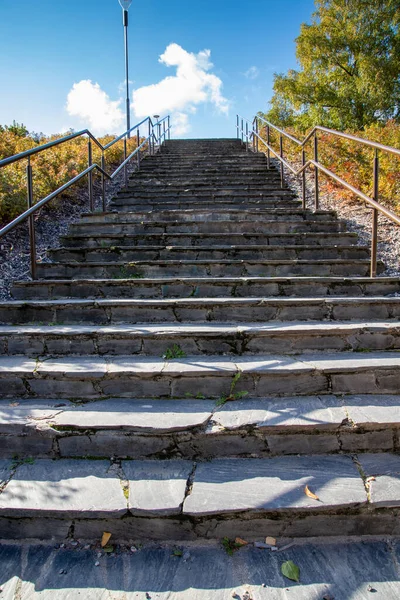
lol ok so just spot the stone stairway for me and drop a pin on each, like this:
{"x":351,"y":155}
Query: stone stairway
{"x":191,"y":360}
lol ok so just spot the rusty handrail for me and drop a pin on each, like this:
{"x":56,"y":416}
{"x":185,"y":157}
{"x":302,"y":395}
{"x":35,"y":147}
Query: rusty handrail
{"x":372,"y":202}
{"x":152,"y":139}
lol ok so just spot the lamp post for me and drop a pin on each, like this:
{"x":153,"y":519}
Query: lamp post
{"x":125,"y":4}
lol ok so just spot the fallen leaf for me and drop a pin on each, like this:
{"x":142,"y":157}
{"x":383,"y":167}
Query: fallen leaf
{"x":240,"y":542}
{"x":310,"y":494}
{"x":290,"y":570}
{"x":370,"y":479}
{"x":105,"y":539}
{"x":108,"y":549}
{"x":270,"y":540}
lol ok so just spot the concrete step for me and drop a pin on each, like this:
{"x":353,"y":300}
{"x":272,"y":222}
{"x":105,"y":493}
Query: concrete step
{"x":201,"y":253}
{"x":209,"y":239}
{"x":206,"y":268}
{"x":292,"y":337}
{"x":194,"y":310}
{"x":198,"y":428}
{"x":257,"y":225}
{"x":213,"y":376}
{"x":185,"y":500}
{"x":209,"y":287}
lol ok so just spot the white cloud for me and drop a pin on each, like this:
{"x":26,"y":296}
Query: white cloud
{"x":180,"y":94}
{"x":180,"y":123}
{"x":252,"y":73}
{"x":88,"y":102}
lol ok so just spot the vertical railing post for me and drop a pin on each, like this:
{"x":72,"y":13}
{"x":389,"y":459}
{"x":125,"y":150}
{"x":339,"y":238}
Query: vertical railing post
{"x":268,"y":150}
{"x":242,"y":130}
{"x":252,"y":134}
{"x":169,"y":127}
{"x":256,"y":135}
{"x":237,"y":127}
{"x":32,"y":233}
{"x":150,"y":139}
{"x":103,"y":181}
{"x":374,"y":240}
{"x":137,"y":146}
{"x":164,"y":130}
{"x":303,"y":177}
{"x":126,"y":166}
{"x":90,"y":176}
{"x":316,"y":191}
{"x":281,"y":155}
{"x":247,"y":136}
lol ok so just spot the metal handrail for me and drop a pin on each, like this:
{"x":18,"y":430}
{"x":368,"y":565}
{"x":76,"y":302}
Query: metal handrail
{"x":152,"y":140}
{"x":372,"y":202}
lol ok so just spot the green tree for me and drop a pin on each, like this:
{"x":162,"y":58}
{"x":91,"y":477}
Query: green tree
{"x":349,"y":75}
{"x":17,"y":129}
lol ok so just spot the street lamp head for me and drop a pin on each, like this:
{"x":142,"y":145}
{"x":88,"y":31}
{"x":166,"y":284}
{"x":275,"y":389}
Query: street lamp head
{"x":125,"y":4}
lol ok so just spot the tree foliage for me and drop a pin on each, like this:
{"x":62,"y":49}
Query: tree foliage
{"x":349,"y":75}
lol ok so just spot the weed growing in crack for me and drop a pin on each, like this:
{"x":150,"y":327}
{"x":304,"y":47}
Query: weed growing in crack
{"x":230,"y":546}
{"x":232,"y":394}
{"x":174,"y":352}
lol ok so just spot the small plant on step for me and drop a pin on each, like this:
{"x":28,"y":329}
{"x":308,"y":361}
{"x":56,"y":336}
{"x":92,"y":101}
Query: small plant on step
{"x":232,"y":394}
{"x":230,"y":546}
{"x":174,"y":352}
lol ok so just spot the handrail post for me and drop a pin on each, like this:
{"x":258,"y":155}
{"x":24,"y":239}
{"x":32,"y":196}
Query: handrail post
{"x":257,"y":135}
{"x":137,"y":145}
{"x":237,"y":127}
{"x":32,"y":233}
{"x":90,"y":176}
{"x":126,"y":166}
{"x":303,"y":176}
{"x":164,"y":130}
{"x":242,"y":130}
{"x":374,"y":240}
{"x":268,"y":150}
{"x":247,"y":136}
{"x":281,"y":155}
{"x":253,"y":136}
{"x":169,"y":127}
{"x":103,"y":181}
{"x":150,"y":140}
{"x":316,"y":191}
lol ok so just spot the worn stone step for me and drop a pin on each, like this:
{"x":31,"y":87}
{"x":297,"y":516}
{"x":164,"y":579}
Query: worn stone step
{"x":205,"y":239}
{"x":211,"y":191}
{"x":212,"y":376}
{"x":256,"y":225}
{"x":215,"y":252}
{"x":209,"y":287}
{"x":206,"y":268}
{"x":128,"y":204}
{"x":198,"y":428}
{"x":194,"y":310}
{"x":198,"y":214}
{"x":240,"y":339}
{"x":184,"y":500}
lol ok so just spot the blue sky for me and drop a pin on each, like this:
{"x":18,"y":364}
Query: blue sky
{"x":62,"y":61}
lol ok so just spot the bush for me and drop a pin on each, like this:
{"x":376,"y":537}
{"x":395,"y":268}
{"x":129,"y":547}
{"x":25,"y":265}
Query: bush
{"x":52,"y":168}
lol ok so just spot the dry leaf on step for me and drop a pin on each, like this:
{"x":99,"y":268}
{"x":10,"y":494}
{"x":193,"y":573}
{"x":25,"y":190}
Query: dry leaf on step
{"x":310,"y":494}
{"x":270,"y":540}
{"x":240,"y":542}
{"x":105,"y":539}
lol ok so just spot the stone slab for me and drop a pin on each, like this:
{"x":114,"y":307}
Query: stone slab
{"x":157,"y":416}
{"x":20,"y":415}
{"x":366,"y":409}
{"x":275,"y":484}
{"x":157,"y":488}
{"x":299,"y":412}
{"x":67,"y":488}
{"x":385,"y":471}
{"x":343,"y":569}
